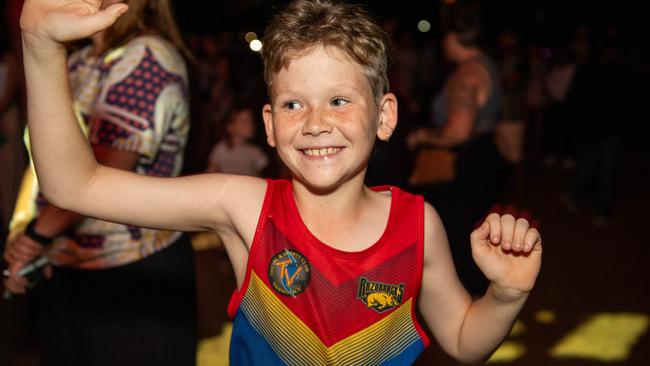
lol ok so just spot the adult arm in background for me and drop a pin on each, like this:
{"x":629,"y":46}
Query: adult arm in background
{"x":466,"y":93}
{"x":53,"y":221}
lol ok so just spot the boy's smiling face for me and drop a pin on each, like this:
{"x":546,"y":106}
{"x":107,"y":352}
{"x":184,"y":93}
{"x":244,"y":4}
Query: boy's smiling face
{"x":323,"y":118}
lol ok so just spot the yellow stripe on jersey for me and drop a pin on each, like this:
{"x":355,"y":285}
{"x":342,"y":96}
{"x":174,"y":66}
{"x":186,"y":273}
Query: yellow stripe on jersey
{"x":296,"y":343}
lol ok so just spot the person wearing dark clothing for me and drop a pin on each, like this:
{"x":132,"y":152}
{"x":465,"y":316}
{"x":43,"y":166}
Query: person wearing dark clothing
{"x":597,"y":101}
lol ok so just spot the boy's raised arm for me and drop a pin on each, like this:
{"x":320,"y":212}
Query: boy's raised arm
{"x":64,"y":161}
{"x":68,"y":173}
{"x":471,"y":330}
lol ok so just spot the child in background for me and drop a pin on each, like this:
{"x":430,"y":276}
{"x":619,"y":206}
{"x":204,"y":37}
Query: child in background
{"x":235,"y":154}
{"x":328,"y":271}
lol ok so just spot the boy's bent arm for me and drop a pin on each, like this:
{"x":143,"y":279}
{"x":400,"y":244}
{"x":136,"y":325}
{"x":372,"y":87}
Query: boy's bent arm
{"x":467,"y":330}
{"x":68,"y":173}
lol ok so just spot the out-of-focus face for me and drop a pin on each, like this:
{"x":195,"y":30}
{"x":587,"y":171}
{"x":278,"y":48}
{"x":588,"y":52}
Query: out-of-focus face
{"x":323,"y":118}
{"x":242,"y":125}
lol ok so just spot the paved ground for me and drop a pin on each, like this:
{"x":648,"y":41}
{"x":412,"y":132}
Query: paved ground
{"x":587,"y":271}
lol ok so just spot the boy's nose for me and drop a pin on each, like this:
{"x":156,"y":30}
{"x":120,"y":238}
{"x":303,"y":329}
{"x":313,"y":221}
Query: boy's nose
{"x":316,"y":123}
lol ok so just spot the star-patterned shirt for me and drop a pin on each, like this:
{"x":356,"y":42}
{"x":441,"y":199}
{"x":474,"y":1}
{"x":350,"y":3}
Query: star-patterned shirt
{"x":135,"y":99}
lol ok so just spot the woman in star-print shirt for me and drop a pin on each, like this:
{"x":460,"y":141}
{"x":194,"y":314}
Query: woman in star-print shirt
{"x":120,"y":294}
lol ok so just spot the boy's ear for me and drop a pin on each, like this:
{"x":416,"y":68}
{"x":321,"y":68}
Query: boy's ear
{"x":267,"y":116}
{"x":387,"y":116}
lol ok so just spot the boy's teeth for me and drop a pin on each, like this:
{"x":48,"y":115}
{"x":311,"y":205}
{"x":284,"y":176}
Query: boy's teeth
{"x":323,"y":151}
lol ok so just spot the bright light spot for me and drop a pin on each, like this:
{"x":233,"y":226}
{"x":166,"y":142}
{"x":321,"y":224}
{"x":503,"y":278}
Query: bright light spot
{"x":545,"y":316}
{"x":508,"y":352}
{"x":250,"y":36}
{"x":605,"y":337}
{"x":424,"y":26}
{"x":214,"y":351}
{"x":256,"y":45}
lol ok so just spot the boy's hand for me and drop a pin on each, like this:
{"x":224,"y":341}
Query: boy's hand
{"x":57,"y":21}
{"x":509,"y":252}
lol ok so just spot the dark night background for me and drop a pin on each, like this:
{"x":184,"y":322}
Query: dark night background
{"x":544,"y":21}
{"x":587,"y":270}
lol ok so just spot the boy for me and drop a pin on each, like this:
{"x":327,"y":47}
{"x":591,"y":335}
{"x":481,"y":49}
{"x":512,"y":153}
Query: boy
{"x":328,"y":271}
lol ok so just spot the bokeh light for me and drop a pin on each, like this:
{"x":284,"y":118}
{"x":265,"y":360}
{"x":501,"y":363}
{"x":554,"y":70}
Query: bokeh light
{"x":424,"y":26}
{"x":256,"y":45}
{"x":250,"y":36}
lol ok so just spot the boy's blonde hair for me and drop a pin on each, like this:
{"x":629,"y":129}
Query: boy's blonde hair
{"x":304,"y":24}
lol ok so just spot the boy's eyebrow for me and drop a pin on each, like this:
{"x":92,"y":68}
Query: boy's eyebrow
{"x":336,"y":89}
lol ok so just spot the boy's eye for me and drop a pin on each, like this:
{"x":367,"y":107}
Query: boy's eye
{"x":339,"y":102}
{"x":291,"y":105}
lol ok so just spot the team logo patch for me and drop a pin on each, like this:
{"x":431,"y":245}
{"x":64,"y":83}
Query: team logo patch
{"x":289,"y":272}
{"x":380,"y":296}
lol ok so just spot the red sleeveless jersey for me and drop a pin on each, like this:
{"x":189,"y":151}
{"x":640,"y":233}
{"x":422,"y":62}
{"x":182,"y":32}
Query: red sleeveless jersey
{"x":305,"y":303}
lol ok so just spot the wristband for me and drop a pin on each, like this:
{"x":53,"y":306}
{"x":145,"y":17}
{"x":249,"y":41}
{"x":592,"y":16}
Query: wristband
{"x":32,"y":234}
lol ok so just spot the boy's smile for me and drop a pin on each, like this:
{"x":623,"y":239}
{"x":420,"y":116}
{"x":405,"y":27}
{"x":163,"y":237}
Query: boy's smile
{"x":322,"y":152}
{"x":323,"y":119}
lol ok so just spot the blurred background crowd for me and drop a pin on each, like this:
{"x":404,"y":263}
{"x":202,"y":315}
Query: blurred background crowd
{"x":569,"y":73}
{"x":572,"y":130}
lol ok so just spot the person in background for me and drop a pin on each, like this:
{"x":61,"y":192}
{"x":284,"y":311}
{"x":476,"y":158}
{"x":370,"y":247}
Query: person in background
{"x":118,"y":294}
{"x":510,"y":131}
{"x":465,"y":114}
{"x":558,"y":127}
{"x":212,"y":100}
{"x":235,"y":154}
{"x":294,"y":243}
{"x":599,"y":104}
{"x":536,"y":98}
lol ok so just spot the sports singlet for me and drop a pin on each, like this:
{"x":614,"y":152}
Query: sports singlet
{"x":305,"y":303}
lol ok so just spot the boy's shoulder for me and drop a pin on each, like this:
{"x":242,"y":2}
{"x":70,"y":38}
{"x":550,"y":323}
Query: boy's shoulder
{"x":394,"y":191}
{"x":403,"y":204}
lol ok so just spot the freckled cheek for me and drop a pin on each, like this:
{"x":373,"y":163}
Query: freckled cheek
{"x":350,"y":119}
{"x":286,"y":125}
{"x":358,"y":125}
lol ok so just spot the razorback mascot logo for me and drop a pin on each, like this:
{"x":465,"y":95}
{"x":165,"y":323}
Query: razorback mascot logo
{"x":380,"y":296}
